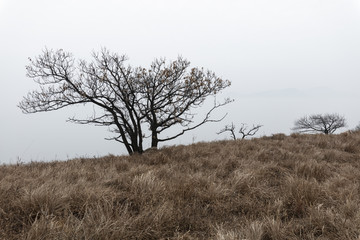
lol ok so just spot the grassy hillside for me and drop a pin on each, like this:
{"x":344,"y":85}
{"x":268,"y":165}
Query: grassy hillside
{"x":279,"y":187}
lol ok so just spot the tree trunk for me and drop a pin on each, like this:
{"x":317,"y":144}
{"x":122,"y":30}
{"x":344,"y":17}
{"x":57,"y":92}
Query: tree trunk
{"x":154,"y":134}
{"x":154,"y":139}
{"x":128,"y":148}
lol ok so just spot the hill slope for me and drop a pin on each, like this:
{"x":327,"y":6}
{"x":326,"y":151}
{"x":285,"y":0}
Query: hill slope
{"x":280,"y":187}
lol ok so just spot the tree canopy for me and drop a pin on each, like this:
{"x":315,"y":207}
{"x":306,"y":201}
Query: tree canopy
{"x":134,"y":102}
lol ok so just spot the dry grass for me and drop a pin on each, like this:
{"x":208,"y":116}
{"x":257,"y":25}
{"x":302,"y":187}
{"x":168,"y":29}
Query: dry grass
{"x":279,"y":187}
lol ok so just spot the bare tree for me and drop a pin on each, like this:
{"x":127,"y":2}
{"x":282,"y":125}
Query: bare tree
{"x":244,"y":130}
{"x":229,"y":128}
{"x":126,"y":99}
{"x":249,"y":132}
{"x":327,"y":123}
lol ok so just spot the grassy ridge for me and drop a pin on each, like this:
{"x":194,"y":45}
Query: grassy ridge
{"x":279,"y":187}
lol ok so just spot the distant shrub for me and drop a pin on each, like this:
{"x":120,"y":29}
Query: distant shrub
{"x":277,"y":136}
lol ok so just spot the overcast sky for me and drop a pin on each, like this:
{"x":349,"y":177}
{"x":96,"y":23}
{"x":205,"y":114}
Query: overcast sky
{"x":285,"y":58}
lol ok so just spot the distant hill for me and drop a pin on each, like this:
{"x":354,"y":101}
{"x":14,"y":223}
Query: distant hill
{"x":277,"y":187}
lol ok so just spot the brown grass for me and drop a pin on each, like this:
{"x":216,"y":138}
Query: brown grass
{"x":278,"y":187}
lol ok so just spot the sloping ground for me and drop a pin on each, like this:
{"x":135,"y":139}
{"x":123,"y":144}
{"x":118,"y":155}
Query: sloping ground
{"x":279,"y":187}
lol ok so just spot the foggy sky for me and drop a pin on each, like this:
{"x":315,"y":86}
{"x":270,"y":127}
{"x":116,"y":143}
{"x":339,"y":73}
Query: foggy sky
{"x":285,"y":59}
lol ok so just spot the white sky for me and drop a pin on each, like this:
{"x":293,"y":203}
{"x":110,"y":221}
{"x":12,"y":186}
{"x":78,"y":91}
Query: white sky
{"x":285,"y":58}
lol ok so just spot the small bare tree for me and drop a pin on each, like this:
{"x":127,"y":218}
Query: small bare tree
{"x":327,"y":123}
{"x":244,"y":130}
{"x":128,"y":100}
{"x":249,"y":132}
{"x":229,"y":128}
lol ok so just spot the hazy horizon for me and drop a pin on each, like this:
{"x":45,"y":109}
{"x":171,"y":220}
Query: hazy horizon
{"x":285,"y":59}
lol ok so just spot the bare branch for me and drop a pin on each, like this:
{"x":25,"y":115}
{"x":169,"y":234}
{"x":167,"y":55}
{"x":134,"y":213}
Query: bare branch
{"x":205,"y":120}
